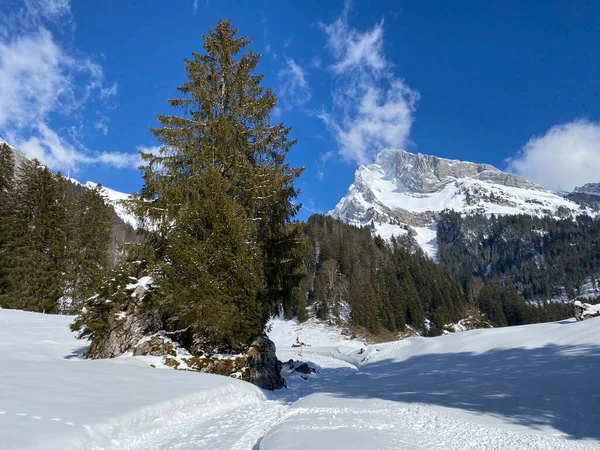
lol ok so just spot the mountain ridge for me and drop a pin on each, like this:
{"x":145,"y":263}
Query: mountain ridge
{"x":402,"y":193}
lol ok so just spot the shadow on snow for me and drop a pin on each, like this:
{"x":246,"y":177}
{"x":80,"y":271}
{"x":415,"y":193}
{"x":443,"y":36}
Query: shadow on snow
{"x":557,"y":386}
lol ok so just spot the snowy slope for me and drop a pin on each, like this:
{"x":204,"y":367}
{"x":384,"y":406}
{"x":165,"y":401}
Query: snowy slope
{"x":52,"y":399}
{"x":530,"y":387}
{"x":404,"y":189}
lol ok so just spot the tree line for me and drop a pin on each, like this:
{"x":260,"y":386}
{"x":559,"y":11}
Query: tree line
{"x":54,"y":237}
{"x":372,"y":283}
{"x":522,"y":261}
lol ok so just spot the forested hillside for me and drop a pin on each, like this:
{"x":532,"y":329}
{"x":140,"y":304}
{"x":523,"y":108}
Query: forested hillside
{"x":538,"y":258}
{"x":373,"y":283}
{"x":55,"y":237}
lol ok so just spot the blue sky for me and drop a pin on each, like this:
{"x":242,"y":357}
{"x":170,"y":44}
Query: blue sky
{"x":510,"y":83}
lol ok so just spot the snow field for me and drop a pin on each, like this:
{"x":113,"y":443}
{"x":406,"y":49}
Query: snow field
{"x":53,"y":399}
{"x":529,"y":387}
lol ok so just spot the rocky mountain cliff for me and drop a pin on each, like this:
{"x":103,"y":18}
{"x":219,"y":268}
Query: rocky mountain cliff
{"x":402,"y":193}
{"x":587,"y":195}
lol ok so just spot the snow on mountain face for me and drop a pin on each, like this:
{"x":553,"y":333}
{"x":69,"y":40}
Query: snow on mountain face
{"x":116,"y":200}
{"x":402,"y":190}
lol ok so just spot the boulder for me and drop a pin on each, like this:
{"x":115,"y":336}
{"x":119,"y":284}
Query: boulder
{"x":264,"y":367}
{"x":585,"y":311}
{"x":305,"y":369}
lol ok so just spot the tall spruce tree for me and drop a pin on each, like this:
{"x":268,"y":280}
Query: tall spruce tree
{"x":35,"y":259}
{"x":7,"y":167}
{"x":219,"y":197}
{"x":90,"y":242}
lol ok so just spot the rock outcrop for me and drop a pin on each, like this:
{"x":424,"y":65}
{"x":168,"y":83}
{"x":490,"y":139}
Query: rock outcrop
{"x":421,"y":173}
{"x":127,"y":328}
{"x":585,"y":311}
{"x":265,"y":368}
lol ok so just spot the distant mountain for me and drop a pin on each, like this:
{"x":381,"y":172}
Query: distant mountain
{"x":403,"y":193}
{"x":587,"y":195}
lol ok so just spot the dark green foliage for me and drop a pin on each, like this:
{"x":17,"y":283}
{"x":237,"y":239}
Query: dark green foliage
{"x":53,"y":244}
{"x":504,"y":306}
{"x":520,"y":257}
{"x":36,"y":248}
{"x":537,"y":256}
{"x":386,"y":286}
{"x":7,"y":163}
{"x":218,"y":199}
{"x":90,"y":241}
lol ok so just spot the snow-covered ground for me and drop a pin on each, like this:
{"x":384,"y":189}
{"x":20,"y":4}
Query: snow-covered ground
{"x":530,"y":387}
{"x":50,"y":398}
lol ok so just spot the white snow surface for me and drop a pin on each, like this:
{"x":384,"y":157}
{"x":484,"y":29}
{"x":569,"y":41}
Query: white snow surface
{"x":51,"y":398}
{"x":379,"y":196}
{"x":529,"y":387}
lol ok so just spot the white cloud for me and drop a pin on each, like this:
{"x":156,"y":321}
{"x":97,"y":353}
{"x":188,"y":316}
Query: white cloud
{"x":372,"y":107}
{"x":567,"y":156}
{"x":34,"y":79}
{"x":55,"y":10}
{"x":102,"y":125}
{"x":294,"y":90}
{"x":321,"y":164}
{"x":195,"y":6}
{"x":49,"y":147}
{"x":40,"y":79}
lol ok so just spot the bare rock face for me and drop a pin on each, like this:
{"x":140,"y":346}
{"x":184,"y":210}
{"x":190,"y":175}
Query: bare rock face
{"x":155,"y":345}
{"x":265,"y":368}
{"x":585,"y":311}
{"x":126,"y":330}
{"x":427,"y":173}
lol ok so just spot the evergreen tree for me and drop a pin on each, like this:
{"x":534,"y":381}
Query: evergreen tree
{"x":35,"y":251}
{"x":89,"y":242}
{"x":7,"y":164}
{"x":218,"y":198}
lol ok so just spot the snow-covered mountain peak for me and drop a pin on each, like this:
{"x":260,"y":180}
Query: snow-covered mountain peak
{"x":403,"y":190}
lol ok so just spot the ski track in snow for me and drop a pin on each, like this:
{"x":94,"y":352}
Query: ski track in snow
{"x":510,"y":388}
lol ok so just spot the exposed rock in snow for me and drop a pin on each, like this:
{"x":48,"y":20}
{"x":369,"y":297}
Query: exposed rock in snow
{"x":475,"y":320}
{"x":265,"y":368}
{"x":585,"y":311}
{"x":587,"y":195}
{"x":403,"y":191}
{"x":126,"y":330}
{"x":139,"y":330}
